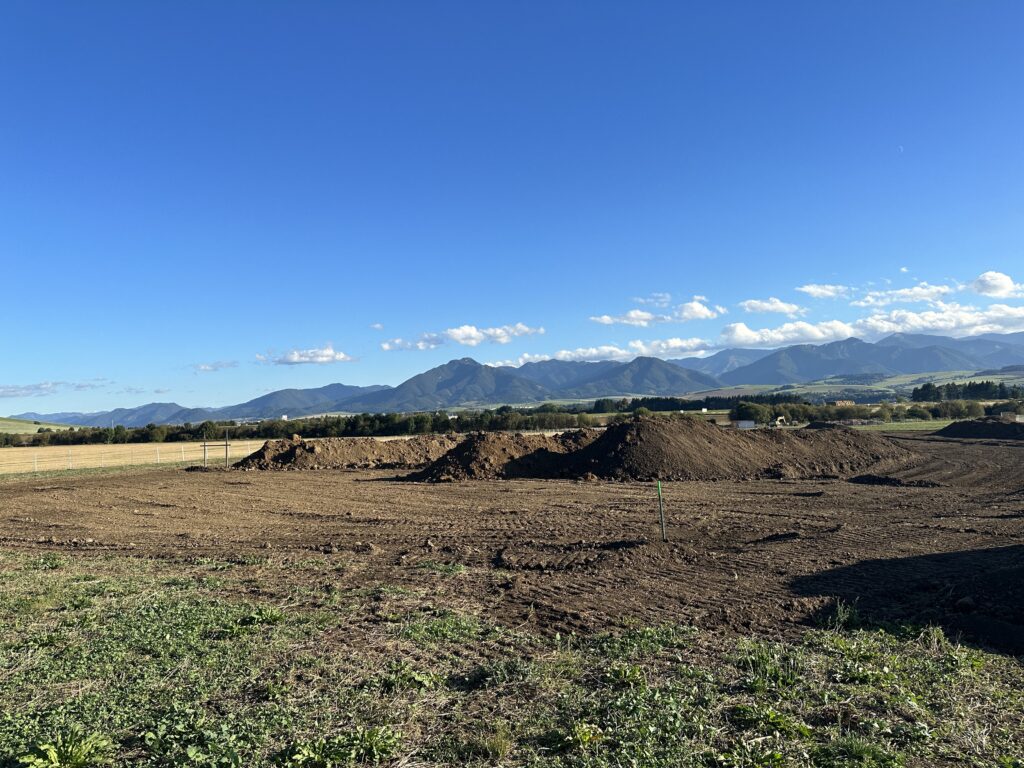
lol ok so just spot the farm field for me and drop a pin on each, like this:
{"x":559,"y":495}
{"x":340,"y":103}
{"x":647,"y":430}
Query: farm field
{"x":908,"y":426}
{"x":52,"y":458}
{"x":22,"y":427}
{"x":313,"y":618}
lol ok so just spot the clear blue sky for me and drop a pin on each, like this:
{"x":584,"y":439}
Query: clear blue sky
{"x":194,"y":195}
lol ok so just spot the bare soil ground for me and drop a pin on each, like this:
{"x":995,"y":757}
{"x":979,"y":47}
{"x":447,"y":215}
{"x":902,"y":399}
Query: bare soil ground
{"x":560,"y":555}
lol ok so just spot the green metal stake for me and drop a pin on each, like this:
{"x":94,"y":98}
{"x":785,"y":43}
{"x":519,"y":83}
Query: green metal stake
{"x":661,"y":513}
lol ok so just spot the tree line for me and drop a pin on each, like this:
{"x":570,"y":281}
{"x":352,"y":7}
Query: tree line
{"x":968,"y":390}
{"x":796,"y":413}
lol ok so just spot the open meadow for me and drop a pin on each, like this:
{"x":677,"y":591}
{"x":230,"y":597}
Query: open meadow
{"x":335,"y":617}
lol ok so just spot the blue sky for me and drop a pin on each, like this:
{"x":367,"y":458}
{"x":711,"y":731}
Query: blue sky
{"x":202,"y":202}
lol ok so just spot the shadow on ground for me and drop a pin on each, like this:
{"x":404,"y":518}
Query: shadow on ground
{"x":975,"y":594}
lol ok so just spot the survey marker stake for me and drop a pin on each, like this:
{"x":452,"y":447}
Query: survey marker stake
{"x":661,"y":513}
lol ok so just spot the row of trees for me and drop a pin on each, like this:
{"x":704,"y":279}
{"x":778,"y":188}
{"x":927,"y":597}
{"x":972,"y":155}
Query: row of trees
{"x":886,"y":412}
{"x":968,"y":390}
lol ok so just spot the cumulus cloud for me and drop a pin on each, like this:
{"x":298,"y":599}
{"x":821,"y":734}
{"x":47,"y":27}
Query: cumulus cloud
{"x":217,"y":365}
{"x":944,"y":319}
{"x":316,"y":356}
{"x":772,"y":304}
{"x":471,"y":336}
{"x":695,"y":309}
{"x":377,"y":326}
{"x":997,"y":285}
{"x":922,"y":292}
{"x":466,"y":335}
{"x":698,"y":309}
{"x":825,"y":290}
{"x":799,"y":332}
{"x":638,"y":317}
{"x":633,"y":349}
{"x":951,"y":319}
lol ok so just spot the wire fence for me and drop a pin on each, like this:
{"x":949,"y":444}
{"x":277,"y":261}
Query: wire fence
{"x":54,"y":458}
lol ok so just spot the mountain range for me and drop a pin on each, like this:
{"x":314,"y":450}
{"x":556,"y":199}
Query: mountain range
{"x":465,"y":382}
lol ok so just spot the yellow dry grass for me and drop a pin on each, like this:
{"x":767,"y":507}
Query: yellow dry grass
{"x":61,"y":457}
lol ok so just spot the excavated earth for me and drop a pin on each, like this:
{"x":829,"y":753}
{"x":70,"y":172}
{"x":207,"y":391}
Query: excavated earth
{"x":681,"y":449}
{"x":991,"y":428}
{"x":943,"y":545}
{"x":349,"y":453}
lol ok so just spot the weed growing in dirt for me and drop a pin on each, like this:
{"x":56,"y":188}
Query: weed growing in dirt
{"x":71,"y":747}
{"x":193,"y":664}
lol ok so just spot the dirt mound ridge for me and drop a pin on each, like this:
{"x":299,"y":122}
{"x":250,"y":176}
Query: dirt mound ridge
{"x":693,"y":449}
{"x":350,"y":453}
{"x":494,"y":455}
{"x":991,"y":428}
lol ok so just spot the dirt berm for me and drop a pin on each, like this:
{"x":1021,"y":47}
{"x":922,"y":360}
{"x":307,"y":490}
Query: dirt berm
{"x":991,"y":428}
{"x":684,"y":449}
{"x":494,"y":455}
{"x":350,"y":453}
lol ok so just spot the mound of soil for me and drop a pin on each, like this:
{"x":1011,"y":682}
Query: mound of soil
{"x":350,"y":453}
{"x":990,"y":428}
{"x":686,"y":449}
{"x":494,"y":455}
{"x":693,"y":449}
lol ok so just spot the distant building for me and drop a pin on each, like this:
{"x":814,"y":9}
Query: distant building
{"x":1011,"y":417}
{"x":745,"y":424}
{"x":842,"y":403}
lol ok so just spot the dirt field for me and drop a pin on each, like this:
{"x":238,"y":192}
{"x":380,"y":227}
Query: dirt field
{"x":561,"y":556}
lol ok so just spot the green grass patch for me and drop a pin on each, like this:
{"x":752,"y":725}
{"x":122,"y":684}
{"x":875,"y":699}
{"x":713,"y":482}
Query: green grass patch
{"x":253,"y":662}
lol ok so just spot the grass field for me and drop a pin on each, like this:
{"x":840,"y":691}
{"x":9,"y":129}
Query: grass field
{"x":59,"y":457}
{"x":909,"y":426}
{"x":21,"y":427}
{"x":261,"y":661}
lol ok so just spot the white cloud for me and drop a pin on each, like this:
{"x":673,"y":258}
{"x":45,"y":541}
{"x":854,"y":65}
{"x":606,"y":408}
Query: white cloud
{"x":44,"y":388}
{"x":698,"y":310}
{"x":825,"y":290}
{"x":799,"y":332}
{"x":377,"y":326}
{"x":637,"y":348}
{"x":951,"y":319}
{"x":466,"y":335}
{"x":638,"y":317}
{"x":425,"y":341}
{"x":904,"y":270}
{"x":216,"y":365}
{"x":657,"y":299}
{"x":772,"y":304}
{"x":315,"y":356}
{"x":922,"y":292}
{"x":997,"y":285}
{"x":665,"y":347}
{"x":948,"y":319}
